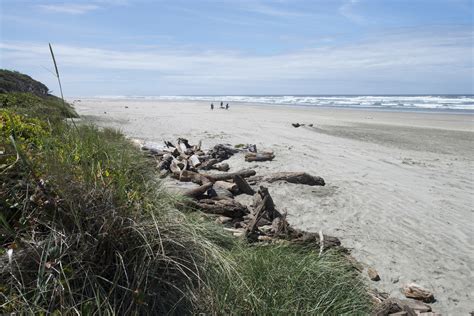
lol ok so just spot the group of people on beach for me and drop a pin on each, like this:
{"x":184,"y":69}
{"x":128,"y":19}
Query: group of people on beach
{"x":222,"y":106}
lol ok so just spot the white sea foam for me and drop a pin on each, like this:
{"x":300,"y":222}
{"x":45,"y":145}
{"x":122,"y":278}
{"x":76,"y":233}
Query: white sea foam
{"x":453,"y":102}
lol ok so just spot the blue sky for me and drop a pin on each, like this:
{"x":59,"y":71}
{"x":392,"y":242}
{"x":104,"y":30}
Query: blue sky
{"x":144,"y":47}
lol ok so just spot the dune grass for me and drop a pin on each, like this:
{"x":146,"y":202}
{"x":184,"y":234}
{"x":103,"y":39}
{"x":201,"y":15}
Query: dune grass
{"x":86,"y":228}
{"x":289,"y":280}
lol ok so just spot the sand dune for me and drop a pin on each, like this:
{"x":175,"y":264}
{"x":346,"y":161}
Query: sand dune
{"x":399,"y":187}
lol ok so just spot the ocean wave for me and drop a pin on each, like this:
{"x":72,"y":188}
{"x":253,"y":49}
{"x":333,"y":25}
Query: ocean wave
{"x":455,"y":102}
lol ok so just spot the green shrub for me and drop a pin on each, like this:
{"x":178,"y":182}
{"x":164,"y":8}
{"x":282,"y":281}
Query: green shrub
{"x":46,"y":108}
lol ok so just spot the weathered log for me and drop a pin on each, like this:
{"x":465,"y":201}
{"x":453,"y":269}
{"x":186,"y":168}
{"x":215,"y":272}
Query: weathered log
{"x":185,"y":142}
{"x":226,"y":207}
{"x":165,"y":162}
{"x":174,"y":166}
{"x":265,"y":156}
{"x":199,"y":191}
{"x":219,"y":193}
{"x":373,"y":274}
{"x":207,"y":164}
{"x":291,"y":177}
{"x":243,"y":186}
{"x":187,"y":176}
{"x":394,"y":305}
{"x":231,"y":187}
{"x":227,"y":176}
{"x":181,"y":148}
{"x":221,"y":167}
{"x":270,"y":212}
{"x":194,"y":160}
{"x":416,"y":292}
{"x":250,"y":231}
{"x":223,"y":220}
{"x":222,"y":152}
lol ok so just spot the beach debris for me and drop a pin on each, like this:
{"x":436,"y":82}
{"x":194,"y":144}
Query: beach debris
{"x":221,"y":167}
{"x":373,"y":274}
{"x":264,"y":156}
{"x":223,"y":220}
{"x":213,"y":193}
{"x":416,"y":292}
{"x":243,"y":185}
{"x":225,"y":207}
{"x":222,"y":152}
{"x":229,"y":186}
{"x":296,"y":125}
{"x":391,"y":306}
{"x":199,"y":191}
{"x":230,"y":175}
{"x":291,"y":177}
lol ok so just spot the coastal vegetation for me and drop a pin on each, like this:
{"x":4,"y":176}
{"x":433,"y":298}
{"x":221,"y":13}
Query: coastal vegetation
{"x":86,"y":227}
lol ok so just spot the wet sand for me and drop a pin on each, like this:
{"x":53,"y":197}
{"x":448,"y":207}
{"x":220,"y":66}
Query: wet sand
{"x":399,"y":188}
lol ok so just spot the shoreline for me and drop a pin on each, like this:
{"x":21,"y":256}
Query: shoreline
{"x":392,"y":183}
{"x":293,"y":106}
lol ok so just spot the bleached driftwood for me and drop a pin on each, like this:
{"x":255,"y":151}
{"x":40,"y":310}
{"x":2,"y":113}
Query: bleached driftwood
{"x":291,"y":177}
{"x":230,"y":186}
{"x":264,"y":156}
{"x":227,"y":176}
{"x":416,"y":292}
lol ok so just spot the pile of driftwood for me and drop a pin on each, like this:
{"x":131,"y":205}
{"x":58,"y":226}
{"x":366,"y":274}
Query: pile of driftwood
{"x":214,"y":193}
{"x":204,"y":178}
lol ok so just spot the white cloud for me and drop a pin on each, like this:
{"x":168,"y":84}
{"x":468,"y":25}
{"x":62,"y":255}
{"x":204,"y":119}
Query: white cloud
{"x":69,"y":8}
{"x":397,"y":57}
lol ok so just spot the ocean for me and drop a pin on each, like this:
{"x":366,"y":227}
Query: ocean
{"x":463,"y":103}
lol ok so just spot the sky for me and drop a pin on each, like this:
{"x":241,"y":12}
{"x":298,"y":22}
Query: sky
{"x":241,"y":47}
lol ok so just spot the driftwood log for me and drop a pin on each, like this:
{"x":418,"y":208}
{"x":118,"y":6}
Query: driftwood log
{"x":242,"y":185}
{"x":291,"y":177}
{"x":230,"y":186}
{"x":270,"y":212}
{"x":416,"y":292}
{"x":221,"y":167}
{"x":264,"y":156}
{"x":251,"y":231}
{"x":373,"y":274}
{"x":228,"y":176}
{"x":208,"y":164}
{"x":199,"y":191}
{"x":226,"y":207}
{"x":190,"y":176}
{"x":394,"y":305}
{"x":219,"y":193}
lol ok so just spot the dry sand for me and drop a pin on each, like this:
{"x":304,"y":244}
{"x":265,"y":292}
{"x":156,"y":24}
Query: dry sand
{"x":399,"y":187}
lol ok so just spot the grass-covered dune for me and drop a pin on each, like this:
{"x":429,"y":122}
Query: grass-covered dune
{"x":85,"y":227}
{"x":14,"y":81}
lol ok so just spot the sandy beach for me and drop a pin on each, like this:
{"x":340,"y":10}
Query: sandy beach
{"x":399,"y":185}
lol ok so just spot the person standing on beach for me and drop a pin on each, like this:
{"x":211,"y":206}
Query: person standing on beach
{"x":227,"y":106}
{"x":212,"y":106}
{"x":222,"y":105}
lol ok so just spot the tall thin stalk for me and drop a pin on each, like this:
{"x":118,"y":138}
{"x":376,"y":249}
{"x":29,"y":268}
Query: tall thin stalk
{"x":59,"y":79}
{"x":57,"y":71}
